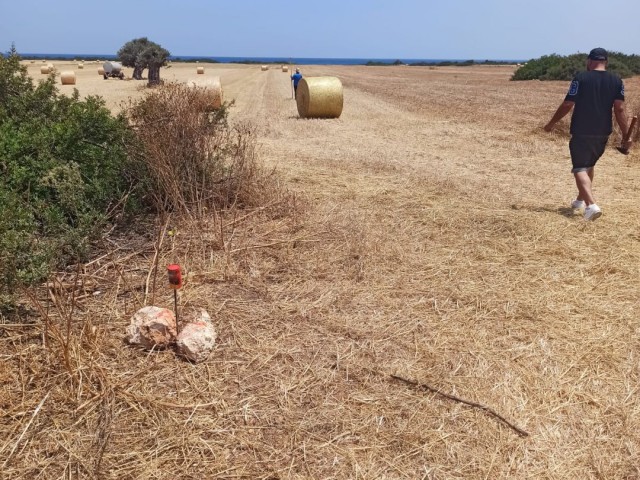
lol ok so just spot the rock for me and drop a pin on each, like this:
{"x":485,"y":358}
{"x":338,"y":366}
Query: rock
{"x":152,"y":327}
{"x":197,"y":338}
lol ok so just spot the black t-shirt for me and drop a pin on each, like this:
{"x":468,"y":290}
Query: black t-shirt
{"x":594,"y":93}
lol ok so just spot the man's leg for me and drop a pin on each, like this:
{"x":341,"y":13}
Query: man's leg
{"x":590,"y":173}
{"x":583,"y":182}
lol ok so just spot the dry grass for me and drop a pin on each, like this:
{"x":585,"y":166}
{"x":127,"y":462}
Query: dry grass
{"x":434,"y":243}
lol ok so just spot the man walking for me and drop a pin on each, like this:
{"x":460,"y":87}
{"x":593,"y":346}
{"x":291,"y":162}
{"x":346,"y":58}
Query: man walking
{"x":594,"y":94}
{"x":295,"y":78}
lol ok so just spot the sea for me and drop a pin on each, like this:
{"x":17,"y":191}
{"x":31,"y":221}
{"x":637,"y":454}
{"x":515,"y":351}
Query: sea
{"x":281,"y":60}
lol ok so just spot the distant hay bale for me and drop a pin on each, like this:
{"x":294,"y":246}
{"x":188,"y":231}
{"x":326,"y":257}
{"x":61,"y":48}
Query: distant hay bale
{"x":68,"y":78}
{"x":265,"y":68}
{"x":200,"y":70}
{"x":44,"y":70}
{"x":33,"y":61}
{"x":52,"y":67}
{"x":285,"y":68}
{"x":80,"y":66}
{"x":320,"y":97}
{"x":101,"y":72}
{"x":212,"y":88}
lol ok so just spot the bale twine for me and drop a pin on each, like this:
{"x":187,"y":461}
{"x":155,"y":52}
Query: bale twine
{"x":212,"y":88}
{"x":265,"y":68}
{"x":285,"y":68}
{"x":68,"y":78}
{"x":200,"y":70}
{"x":101,"y":71}
{"x":44,"y":70}
{"x":320,"y":97}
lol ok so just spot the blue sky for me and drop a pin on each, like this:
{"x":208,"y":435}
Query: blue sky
{"x":460,"y":29}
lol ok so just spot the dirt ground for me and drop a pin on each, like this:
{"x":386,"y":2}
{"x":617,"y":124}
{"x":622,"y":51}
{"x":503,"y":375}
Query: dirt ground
{"x":436,"y":245}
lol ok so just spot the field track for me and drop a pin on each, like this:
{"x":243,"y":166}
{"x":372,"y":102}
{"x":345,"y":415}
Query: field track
{"x":440,"y":249}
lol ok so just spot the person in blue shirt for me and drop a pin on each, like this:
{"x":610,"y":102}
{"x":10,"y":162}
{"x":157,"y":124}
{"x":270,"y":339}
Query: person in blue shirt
{"x":295,"y":78}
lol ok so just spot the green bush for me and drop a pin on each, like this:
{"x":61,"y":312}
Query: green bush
{"x":63,"y":166}
{"x":556,"y":67}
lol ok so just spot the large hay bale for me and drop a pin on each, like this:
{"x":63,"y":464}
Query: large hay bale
{"x":44,"y":70}
{"x":200,"y":70}
{"x":212,"y":88}
{"x":101,"y":72}
{"x":68,"y":78}
{"x":285,"y":68}
{"x":320,"y":97}
{"x":265,"y":68}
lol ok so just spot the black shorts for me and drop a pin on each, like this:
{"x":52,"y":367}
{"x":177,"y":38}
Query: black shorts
{"x":586,"y":150}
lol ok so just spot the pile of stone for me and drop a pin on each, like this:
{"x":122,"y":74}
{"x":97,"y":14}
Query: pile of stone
{"x":154,"y":328}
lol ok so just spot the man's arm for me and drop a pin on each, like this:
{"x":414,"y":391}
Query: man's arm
{"x":564,"y":108}
{"x":621,"y":117}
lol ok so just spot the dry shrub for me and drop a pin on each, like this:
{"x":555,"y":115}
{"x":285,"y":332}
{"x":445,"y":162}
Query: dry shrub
{"x":195,"y":162}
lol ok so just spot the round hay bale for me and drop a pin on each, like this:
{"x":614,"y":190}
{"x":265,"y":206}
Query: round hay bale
{"x":265,"y":68}
{"x":80,"y":66}
{"x":320,"y":97}
{"x":52,"y":67}
{"x":101,"y":72}
{"x":33,"y":61}
{"x":68,"y":78}
{"x":285,"y":68}
{"x":44,"y":70}
{"x":212,"y":88}
{"x":200,"y":70}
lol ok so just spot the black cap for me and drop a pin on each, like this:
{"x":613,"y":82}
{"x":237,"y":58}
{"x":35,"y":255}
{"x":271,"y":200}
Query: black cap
{"x":599,"y":54}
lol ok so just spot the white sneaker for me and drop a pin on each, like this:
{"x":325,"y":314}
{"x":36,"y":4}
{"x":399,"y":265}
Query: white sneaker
{"x":578,"y":204}
{"x":592,"y":212}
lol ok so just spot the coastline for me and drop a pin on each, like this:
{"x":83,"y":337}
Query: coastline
{"x":279,"y":60}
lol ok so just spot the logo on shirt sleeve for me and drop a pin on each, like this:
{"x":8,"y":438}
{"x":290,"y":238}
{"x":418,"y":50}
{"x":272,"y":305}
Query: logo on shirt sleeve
{"x":573,"y":89}
{"x":622,"y":90}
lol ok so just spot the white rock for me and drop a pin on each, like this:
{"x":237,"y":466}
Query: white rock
{"x":197,"y":338}
{"x":152,"y":327}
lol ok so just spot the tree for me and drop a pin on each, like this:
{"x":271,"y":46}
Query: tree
{"x":154,"y":57}
{"x":141,"y":53}
{"x":129,"y":54}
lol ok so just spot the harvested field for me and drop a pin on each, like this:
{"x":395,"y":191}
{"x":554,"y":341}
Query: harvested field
{"x":430,"y":240}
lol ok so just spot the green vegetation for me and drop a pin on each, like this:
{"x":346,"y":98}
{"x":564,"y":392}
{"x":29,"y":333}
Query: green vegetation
{"x":372,"y":63}
{"x":557,"y":67}
{"x":63,"y":174}
{"x":69,"y":168}
{"x":141,"y":53}
{"x":465,"y":63}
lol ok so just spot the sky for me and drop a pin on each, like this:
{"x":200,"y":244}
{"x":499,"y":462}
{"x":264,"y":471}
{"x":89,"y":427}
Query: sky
{"x":390,"y":29}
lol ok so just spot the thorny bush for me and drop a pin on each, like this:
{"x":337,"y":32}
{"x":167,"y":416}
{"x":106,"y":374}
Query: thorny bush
{"x":194,"y":160}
